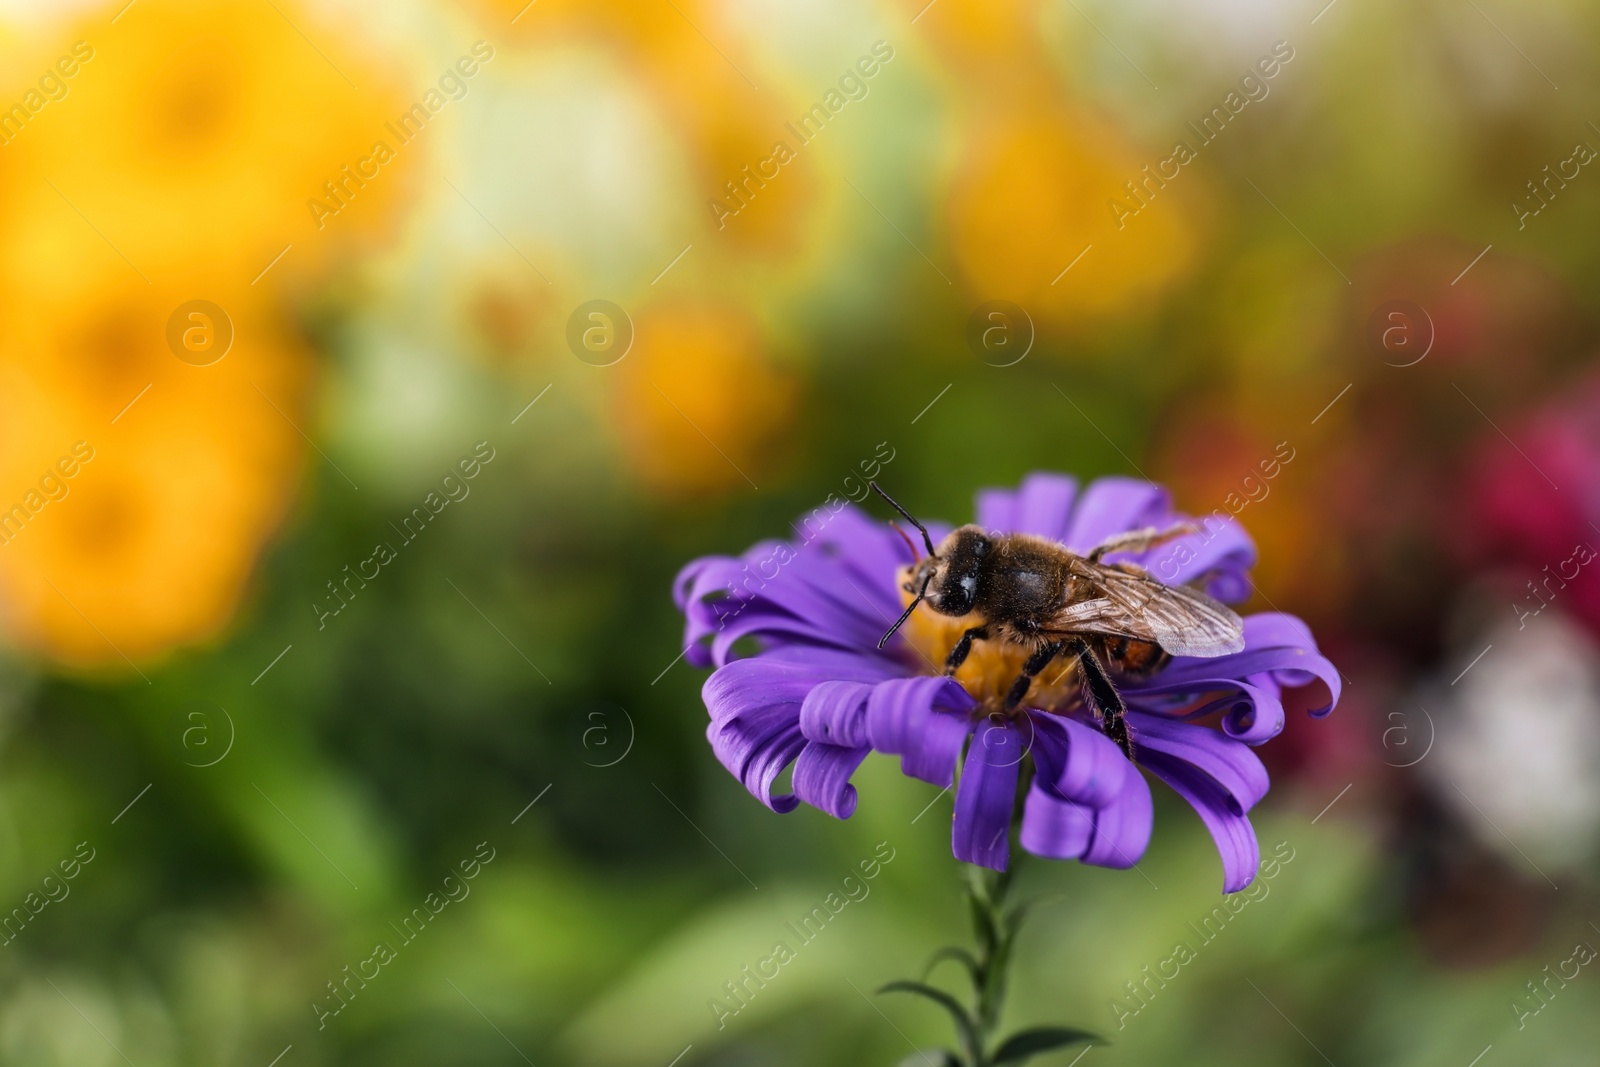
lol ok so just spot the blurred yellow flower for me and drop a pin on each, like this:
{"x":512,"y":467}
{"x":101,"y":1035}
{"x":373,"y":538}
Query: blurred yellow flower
{"x":697,"y":406}
{"x":979,"y":38}
{"x":198,"y":131}
{"x":181,"y":471}
{"x":166,"y":159}
{"x":1035,"y":174}
{"x":1030,"y":197}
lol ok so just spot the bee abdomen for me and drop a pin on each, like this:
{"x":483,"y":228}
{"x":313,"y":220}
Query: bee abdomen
{"x":1135,"y":657}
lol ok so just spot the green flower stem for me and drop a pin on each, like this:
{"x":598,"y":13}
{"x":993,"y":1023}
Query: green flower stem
{"x":995,"y":929}
{"x":995,"y":923}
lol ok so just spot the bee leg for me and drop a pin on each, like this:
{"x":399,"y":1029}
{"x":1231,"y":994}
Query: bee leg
{"x":1036,"y":663}
{"x":1141,"y":540}
{"x":958,"y":654}
{"x":1103,"y":696}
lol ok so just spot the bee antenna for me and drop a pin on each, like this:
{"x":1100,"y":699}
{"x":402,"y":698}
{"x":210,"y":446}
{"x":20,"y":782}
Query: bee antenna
{"x":896,"y":505}
{"x":906,"y":614}
{"x":907,"y":538}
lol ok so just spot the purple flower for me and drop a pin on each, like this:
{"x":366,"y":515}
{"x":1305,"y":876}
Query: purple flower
{"x":792,"y":630}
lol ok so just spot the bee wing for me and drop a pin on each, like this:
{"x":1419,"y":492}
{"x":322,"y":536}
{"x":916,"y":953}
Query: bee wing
{"x":1183,"y":621}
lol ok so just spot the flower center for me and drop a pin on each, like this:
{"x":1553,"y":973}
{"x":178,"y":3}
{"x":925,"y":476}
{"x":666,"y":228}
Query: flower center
{"x":992,"y":666}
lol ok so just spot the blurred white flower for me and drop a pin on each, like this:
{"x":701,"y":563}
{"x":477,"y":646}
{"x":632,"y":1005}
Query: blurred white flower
{"x":1518,"y":748}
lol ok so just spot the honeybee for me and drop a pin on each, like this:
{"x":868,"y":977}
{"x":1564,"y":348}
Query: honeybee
{"x":1036,"y":593}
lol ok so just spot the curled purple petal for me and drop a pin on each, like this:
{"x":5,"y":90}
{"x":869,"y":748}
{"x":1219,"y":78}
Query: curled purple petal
{"x":685,"y":580}
{"x":1077,"y":762}
{"x":755,"y":709}
{"x":785,"y":676}
{"x":1219,"y":777}
{"x":1235,"y":837}
{"x":756,"y":748}
{"x":1054,"y":828}
{"x":1252,"y":707}
{"x":1237,"y":771}
{"x":822,"y":777}
{"x":1122,"y":829}
{"x":1279,"y":652}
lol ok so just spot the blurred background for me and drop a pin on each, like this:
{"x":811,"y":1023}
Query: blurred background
{"x":368,"y":369}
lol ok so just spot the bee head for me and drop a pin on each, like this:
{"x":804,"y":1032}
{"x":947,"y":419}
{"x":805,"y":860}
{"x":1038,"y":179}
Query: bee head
{"x":948,"y":579}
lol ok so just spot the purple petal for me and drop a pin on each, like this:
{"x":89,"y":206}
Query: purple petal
{"x":1122,"y":829}
{"x":1043,"y":504}
{"x":1112,"y":506}
{"x":1221,"y":546}
{"x":1235,"y":837}
{"x":798,"y":593}
{"x":1112,"y":832}
{"x":835,"y":713}
{"x":778,"y":629}
{"x":870,"y":549}
{"x":784,"y":676}
{"x":923,"y":721}
{"x":685,"y":580}
{"x":1232,"y":765}
{"x":1279,"y":651}
{"x":1252,"y":707}
{"x":1258,"y":719}
{"x":822,"y":777}
{"x":773,"y":629}
{"x":817,"y":593}
{"x":703,"y":590}
{"x":1077,"y":762}
{"x":755,"y":709}
{"x":984,"y":804}
{"x":756,"y":748}
{"x":1000,"y":741}
{"x":1055,"y":829}
{"x":1219,"y":777}
{"x":834,"y":587}
{"x":996,"y":510}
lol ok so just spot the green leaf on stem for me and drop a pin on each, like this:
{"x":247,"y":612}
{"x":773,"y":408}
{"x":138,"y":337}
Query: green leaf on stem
{"x":953,"y":953}
{"x":1025,"y":1044}
{"x":969,"y":1035}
